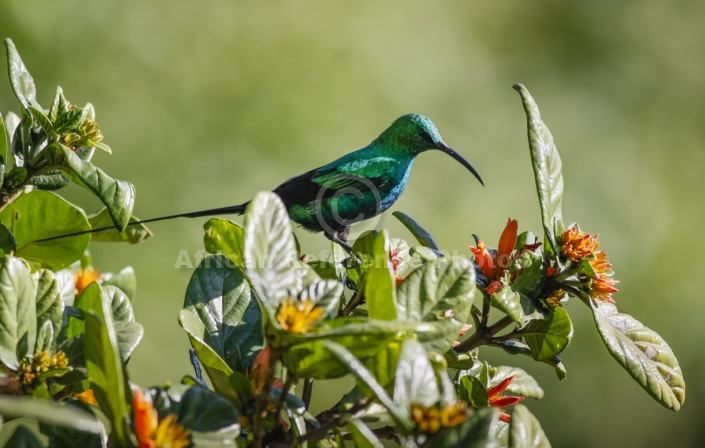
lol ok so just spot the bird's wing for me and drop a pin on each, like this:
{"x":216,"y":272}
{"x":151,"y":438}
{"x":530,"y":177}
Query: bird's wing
{"x":326,"y":181}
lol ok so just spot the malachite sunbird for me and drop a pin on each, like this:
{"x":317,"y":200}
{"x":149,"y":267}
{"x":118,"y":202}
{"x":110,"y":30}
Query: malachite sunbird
{"x":355,"y":187}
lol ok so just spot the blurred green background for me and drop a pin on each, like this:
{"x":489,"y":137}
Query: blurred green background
{"x":206,"y":103}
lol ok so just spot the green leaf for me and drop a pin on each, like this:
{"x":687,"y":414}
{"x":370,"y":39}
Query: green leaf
{"x":50,"y":413}
{"x":421,"y":234}
{"x":4,"y":146}
{"x":23,"y":437}
{"x":473,"y":392}
{"x":523,"y":384}
{"x":325,"y":294}
{"x":221,"y":298}
{"x":68,"y":436}
{"x":415,"y":381}
{"x":59,"y":105}
{"x":216,"y":368}
{"x":519,"y":348}
{"x":42,"y":120}
{"x":532,"y":274}
{"x":547,"y":170}
{"x":549,"y":336}
{"x":20,"y":79}
{"x":18,"y":322}
{"x":49,"y":304}
{"x":58,"y":217}
{"x":53,"y":180}
{"x":226,"y":237}
{"x":117,"y":195}
{"x":477,"y":431}
{"x":378,"y":278}
{"x":517,"y":306}
{"x":642,"y":353}
{"x":209,"y":416}
{"x":8,"y":244}
{"x":400,"y":414}
{"x":362,"y":436}
{"x":132,"y":234}
{"x":525,"y":431}
{"x":307,"y":358}
{"x":125,"y":280}
{"x":105,"y":370}
{"x":128,"y":332}
{"x":441,"y":293}
{"x":270,"y":251}
{"x":68,"y":121}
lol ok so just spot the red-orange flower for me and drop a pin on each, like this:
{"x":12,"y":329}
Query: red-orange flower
{"x":496,"y":398}
{"x":152,"y":433}
{"x":256,"y":375}
{"x":600,"y":264}
{"x":577,"y":245}
{"x":483,"y":259}
{"x":602,"y":288}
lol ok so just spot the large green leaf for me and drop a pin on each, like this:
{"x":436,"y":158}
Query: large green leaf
{"x":221,"y":298}
{"x":226,"y":237}
{"x":475,"y":432}
{"x":58,"y":217}
{"x":378,"y":278}
{"x":440,"y":293}
{"x":104,"y":367}
{"x":70,"y":436}
{"x":216,"y":368}
{"x":307,"y":357}
{"x":525,"y":431}
{"x":270,"y":251}
{"x":8,"y":243}
{"x":49,"y":304}
{"x":325,"y":294}
{"x":519,"y":348}
{"x":415,"y":381}
{"x":547,"y":170}
{"x":23,"y":437}
{"x":49,"y":413}
{"x":117,"y":195}
{"x":128,"y":332}
{"x":18,"y":321}
{"x":417,"y":230}
{"x":642,"y":353}
{"x":549,"y":336}
{"x":132,"y":234}
{"x":20,"y":79}
{"x":125,"y":280}
{"x":515,"y":305}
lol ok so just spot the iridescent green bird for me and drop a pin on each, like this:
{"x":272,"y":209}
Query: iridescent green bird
{"x":355,"y":187}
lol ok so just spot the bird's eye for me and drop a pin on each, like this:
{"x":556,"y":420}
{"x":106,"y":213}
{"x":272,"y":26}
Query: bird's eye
{"x":423,"y":133}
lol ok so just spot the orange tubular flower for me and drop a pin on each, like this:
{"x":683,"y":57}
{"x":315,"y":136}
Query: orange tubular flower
{"x":600,"y":264}
{"x":483,"y":259}
{"x":152,"y":433}
{"x":577,"y":245}
{"x":83,"y":278}
{"x":496,"y":399}
{"x":602,"y":289}
{"x":509,"y":237}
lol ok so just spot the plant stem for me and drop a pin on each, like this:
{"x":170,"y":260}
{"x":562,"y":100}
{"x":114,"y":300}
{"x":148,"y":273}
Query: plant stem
{"x":483,"y":335}
{"x":306,"y":393}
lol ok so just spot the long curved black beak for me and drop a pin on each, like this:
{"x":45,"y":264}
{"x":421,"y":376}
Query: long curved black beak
{"x":448,"y":150}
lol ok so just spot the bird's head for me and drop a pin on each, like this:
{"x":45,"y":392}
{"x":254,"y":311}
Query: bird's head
{"x":415,"y":134}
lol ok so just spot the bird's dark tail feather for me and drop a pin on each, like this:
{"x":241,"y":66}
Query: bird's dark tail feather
{"x":232,"y":210}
